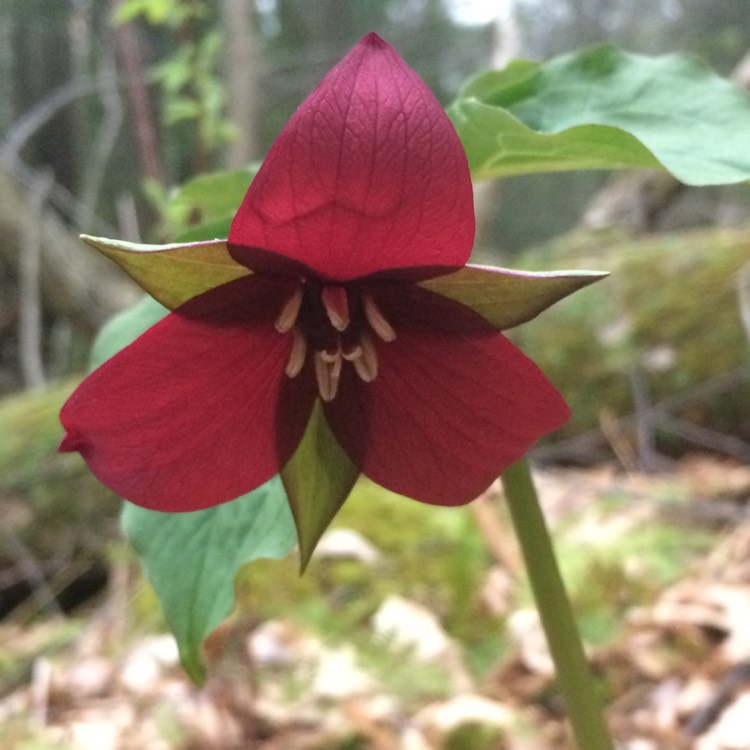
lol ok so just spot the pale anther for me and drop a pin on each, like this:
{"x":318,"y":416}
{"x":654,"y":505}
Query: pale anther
{"x":336,"y":304}
{"x":352,"y":354}
{"x":327,"y":374}
{"x":336,"y":368}
{"x":376,"y":319}
{"x":297,"y":355}
{"x":288,"y":315}
{"x":366,"y":365}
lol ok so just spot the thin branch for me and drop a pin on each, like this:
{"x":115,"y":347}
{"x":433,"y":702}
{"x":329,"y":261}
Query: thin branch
{"x":25,"y":128}
{"x":127,"y":218}
{"x":41,"y":591}
{"x":141,"y":111}
{"x":108,"y":132}
{"x":29,"y":123}
{"x":580,"y":445}
{"x":644,"y":418}
{"x":715,"y":441}
{"x":30,"y":302}
{"x":496,"y":535}
{"x":242,"y":63}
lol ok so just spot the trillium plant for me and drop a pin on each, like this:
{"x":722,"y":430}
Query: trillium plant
{"x":353,"y":315}
{"x":338,"y":330}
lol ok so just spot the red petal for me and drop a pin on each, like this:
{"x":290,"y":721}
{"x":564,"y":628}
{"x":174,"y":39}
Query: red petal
{"x":453,"y":405}
{"x":185,"y":417}
{"x":368,"y":175}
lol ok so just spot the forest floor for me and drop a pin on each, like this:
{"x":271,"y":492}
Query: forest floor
{"x":658,"y":568}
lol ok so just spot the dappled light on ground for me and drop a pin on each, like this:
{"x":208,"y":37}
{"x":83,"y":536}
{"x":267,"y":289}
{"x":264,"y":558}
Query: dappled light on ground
{"x":369,"y":650}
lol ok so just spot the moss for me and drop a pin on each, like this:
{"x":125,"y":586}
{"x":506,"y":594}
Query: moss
{"x":433,"y":555}
{"x":671,"y":293}
{"x":474,"y":736}
{"x":58,"y":504}
{"x":439,"y":556}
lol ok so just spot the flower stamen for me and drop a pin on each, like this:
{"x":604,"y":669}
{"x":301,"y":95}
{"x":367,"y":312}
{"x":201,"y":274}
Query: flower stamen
{"x":328,"y":373}
{"x":350,"y":355}
{"x":366,"y":364}
{"x":336,"y":304}
{"x":288,"y":315}
{"x":338,"y":335}
{"x":330,"y":356}
{"x":297,"y":355}
{"x":376,"y":319}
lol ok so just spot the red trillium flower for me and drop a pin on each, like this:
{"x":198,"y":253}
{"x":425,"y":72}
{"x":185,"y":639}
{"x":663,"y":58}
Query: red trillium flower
{"x":337,"y":331}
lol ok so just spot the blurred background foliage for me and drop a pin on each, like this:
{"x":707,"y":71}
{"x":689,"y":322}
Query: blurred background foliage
{"x":115,"y":113}
{"x":143,"y":120}
{"x":106,"y":106}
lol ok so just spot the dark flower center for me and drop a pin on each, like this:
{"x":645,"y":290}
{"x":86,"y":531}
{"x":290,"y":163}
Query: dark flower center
{"x":336,"y":324}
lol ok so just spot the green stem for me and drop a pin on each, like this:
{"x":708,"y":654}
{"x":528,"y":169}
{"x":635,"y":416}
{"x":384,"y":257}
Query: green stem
{"x":574,"y":678}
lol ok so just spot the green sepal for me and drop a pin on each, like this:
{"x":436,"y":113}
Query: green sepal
{"x":602,"y":108}
{"x":172,"y":274}
{"x":318,"y":478}
{"x":508,"y":298}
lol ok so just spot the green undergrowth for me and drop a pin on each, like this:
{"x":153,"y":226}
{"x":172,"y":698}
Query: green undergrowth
{"x":611,"y":560}
{"x":52,"y":507}
{"x":29,"y":462}
{"x":669,"y":310}
{"x":436,"y":556}
{"x":21,"y":648}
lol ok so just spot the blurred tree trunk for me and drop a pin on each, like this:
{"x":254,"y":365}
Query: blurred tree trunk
{"x":97,"y":122}
{"x":75,"y":282}
{"x":242,"y":61}
{"x":83,"y":113}
{"x":506,"y":45}
{"x":141,"y":111}
{"x":7,"y":69}
{"x":54,"y":292}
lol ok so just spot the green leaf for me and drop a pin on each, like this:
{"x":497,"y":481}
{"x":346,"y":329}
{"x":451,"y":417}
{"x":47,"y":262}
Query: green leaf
{"x":318,"y":479}
{"x":191,"y":559}
{"x":214,"y":197}
{"x":508,"y":298}
{"x":173,"y":273}
{"x":124,"y":328}
{"x":180,"y":108}
{"x":602,"y":108}
{"x":155,"y":11}
{"x":218,"y":228}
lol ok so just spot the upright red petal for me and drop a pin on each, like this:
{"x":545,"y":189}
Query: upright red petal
{"x":198,"y":410}
{"x":368,"y":175}
{"x":453,"y":405}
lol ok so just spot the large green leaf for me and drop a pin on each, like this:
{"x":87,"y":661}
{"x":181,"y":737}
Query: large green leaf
{"x":209,"y":198}
{"x":602,"y":108}
{"x":122,"y":329}
{"x":191,"y":559}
